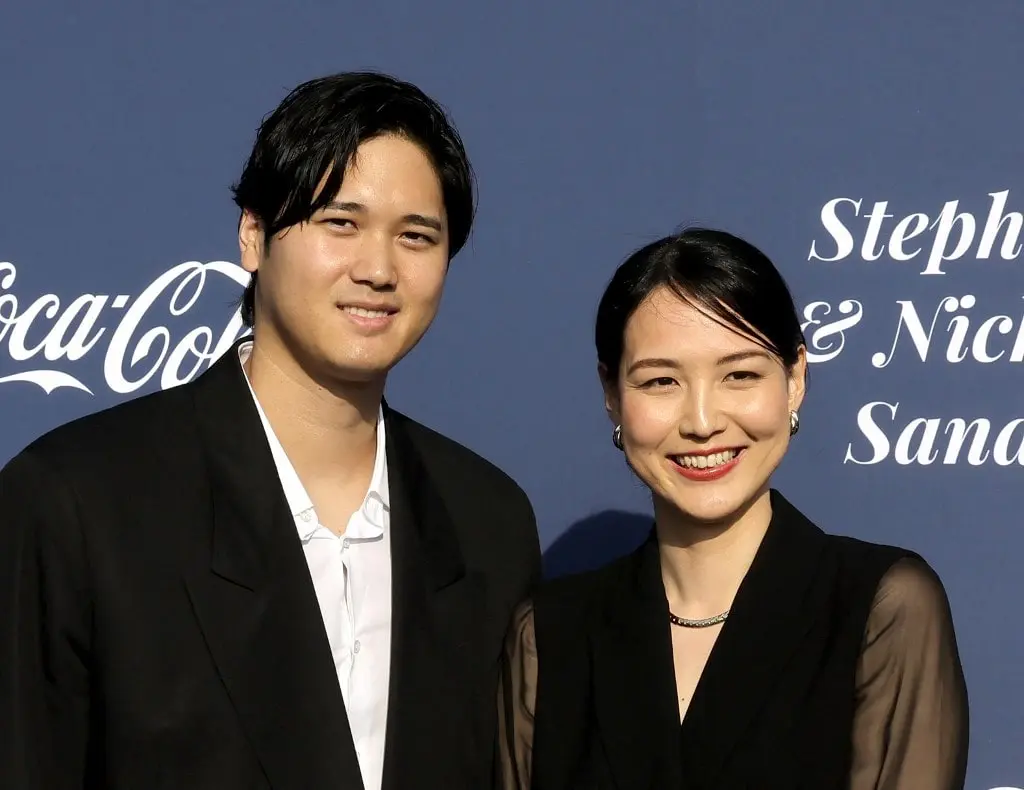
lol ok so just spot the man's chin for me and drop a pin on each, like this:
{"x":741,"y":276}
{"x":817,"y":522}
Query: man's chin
{"x":352,"y":373}
{"x":360,"y":374}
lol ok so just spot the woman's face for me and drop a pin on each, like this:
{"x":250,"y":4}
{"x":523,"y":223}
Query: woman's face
{"x":705,"y":411}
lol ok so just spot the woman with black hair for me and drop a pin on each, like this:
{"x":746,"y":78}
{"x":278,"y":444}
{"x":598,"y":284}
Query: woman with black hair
{"x":740,"y":646}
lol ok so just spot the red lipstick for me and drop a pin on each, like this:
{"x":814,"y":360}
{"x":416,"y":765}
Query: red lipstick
{"x":707,"y":473}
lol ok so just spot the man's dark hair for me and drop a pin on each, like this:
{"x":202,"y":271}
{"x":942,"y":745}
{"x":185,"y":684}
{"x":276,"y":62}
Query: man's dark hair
{"x":317,"y":129}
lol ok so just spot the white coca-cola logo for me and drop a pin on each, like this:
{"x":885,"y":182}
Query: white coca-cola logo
{"x":47,"y":336}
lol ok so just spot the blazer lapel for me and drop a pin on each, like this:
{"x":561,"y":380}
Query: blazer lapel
{"x":437,"y":608}
{"x":634,"y":679}
{"x":254,"y":599}
{"x":773,"y":610}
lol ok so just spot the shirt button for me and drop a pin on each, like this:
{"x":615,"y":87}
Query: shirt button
{"x":307,"y":516}
{"x":345,"y":543}
{"x":356,"y":646}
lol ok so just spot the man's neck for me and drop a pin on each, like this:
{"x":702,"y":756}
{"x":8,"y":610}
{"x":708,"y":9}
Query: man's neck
{"x":326,"y":428}
{"x":703,"y":565}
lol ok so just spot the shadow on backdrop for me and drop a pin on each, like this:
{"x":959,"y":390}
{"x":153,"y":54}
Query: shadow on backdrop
{"x":595,"y":541}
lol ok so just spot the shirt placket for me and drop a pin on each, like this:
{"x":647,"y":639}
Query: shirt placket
{"x":348,"y":619}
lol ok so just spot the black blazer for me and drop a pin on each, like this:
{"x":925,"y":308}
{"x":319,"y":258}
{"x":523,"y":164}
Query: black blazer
{"x":775,"y":706}
{"x":159,"y":627}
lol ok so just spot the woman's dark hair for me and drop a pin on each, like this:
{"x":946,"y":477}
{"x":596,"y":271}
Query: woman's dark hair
{"x":711,"y":269}
{"x":318,"y":127}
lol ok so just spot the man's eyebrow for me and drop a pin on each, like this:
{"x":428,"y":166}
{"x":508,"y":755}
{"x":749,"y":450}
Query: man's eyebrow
{"x":428,"y":222}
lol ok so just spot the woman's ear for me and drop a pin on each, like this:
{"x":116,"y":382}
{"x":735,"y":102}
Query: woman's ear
{"x":798,"y":380}
{"x":611,"y":394}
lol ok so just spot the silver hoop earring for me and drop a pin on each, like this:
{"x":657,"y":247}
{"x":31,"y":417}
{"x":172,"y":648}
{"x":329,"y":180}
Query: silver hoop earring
{"x":617,"y":437}
{"x":794,"y":423}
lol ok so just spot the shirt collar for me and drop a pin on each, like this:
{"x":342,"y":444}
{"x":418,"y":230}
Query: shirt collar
{"x":377,"y":502}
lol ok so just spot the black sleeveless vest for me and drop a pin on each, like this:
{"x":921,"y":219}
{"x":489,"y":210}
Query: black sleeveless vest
{"x":774,"y":706}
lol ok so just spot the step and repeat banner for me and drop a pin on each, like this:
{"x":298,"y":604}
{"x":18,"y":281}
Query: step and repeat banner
{"x":874,"y":150}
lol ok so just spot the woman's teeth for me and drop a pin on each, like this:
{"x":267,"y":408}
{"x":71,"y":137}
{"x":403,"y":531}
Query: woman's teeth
{"x":706,"y":461}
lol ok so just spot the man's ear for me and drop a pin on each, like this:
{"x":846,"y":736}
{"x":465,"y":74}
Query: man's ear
{"x":250,"y":241}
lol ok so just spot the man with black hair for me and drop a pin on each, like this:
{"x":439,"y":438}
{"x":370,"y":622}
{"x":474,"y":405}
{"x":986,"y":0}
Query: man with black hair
{"x":267,"y":577}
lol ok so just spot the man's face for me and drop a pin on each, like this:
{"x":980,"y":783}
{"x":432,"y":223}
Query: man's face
{"x":351,"y":291}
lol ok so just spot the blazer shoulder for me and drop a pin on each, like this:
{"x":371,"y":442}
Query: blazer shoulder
{"x":574,"y":597}
{"x":856,"y":553}
{"x":863,"y":567}
{"x":457,"y":460}
{"x":849,"y":560}
{"x":129,"y":429}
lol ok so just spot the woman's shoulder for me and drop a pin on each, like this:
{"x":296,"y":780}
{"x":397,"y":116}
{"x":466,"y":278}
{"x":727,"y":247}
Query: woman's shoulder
{"x":895,"y":578}
{"x":572,"y":600}
{"x":582,"y":589}
{"x":903,"y":584}
{"x":910,"y":592}
{"x":857,"y":551}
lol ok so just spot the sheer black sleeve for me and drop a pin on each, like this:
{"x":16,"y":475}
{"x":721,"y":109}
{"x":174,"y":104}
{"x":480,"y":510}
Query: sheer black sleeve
{"x":517,"y":697}
{"x":911,"y":722}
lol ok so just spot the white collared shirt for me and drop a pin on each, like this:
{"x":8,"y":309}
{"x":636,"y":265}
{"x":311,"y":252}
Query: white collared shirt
{"x":352,"y":577}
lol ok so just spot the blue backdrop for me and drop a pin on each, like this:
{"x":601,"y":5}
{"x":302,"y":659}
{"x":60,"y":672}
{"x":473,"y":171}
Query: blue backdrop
{"x":873,"y":149}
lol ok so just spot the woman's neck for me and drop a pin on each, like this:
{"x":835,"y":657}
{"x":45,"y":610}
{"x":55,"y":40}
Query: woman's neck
{"x":703,"y":565}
